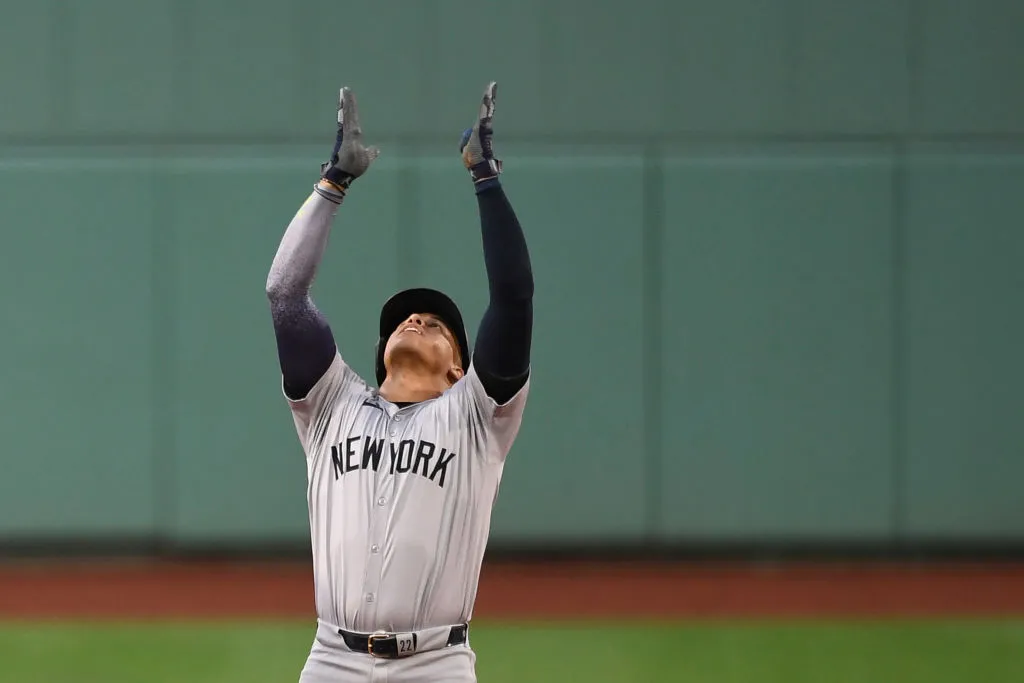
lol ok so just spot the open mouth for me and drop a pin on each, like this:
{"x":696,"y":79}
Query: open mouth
{"x":412,"y":328}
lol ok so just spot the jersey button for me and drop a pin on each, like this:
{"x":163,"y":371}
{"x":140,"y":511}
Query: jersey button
{"x":382,"y":500}
{"x":374,"y":548}
{"x":369,"y":597}
{"x":394,"y":432}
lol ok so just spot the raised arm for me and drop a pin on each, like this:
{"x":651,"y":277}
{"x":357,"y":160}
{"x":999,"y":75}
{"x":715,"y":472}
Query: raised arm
{"x":305,"y":343}
{"x":501,"y":355}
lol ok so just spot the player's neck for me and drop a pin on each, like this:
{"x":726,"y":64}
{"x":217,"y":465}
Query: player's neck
{"x":407,"y":387}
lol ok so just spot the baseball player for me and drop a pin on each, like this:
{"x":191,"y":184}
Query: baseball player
{"x":402,"y":475}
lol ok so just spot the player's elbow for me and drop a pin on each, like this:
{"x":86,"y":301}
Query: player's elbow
{"x":275,"y":287}
{"x":513,"y":291}
{"x":514,"y":288}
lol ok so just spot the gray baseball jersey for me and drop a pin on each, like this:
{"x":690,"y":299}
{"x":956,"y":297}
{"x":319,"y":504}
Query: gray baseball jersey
{"x":400,"y":499}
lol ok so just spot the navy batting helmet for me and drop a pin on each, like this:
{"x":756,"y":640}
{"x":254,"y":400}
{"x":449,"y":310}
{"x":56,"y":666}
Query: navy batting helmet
{"x":419,"y":300}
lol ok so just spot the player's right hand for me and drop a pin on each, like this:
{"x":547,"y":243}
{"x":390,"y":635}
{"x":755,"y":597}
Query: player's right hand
{"x":350,"y":158}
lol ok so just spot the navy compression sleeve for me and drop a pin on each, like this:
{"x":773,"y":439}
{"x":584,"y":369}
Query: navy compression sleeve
{"x":501,"y":354}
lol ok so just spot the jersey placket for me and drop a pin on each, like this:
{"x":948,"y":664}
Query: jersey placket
{"x":383,"y":492}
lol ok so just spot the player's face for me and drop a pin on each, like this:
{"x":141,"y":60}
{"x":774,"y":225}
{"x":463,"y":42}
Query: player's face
{"x":429,"y":339}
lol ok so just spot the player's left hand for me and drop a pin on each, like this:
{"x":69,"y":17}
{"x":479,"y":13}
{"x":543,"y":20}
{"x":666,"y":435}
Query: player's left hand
{"x":476,"y":146}
{"x":350,"y":158}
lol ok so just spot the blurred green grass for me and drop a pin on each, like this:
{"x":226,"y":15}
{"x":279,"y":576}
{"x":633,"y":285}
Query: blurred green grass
{"x":681,"y":652}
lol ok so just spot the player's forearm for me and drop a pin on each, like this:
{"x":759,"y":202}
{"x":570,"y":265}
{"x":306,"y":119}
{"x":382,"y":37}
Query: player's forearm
{"x":302,"y":248}
{"x":506,"y":257}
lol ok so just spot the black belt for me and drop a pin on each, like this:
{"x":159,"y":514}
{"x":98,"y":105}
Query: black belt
{"x":392,"y":645}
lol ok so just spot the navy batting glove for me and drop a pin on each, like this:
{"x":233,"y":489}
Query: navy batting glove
{"x":350,"y":157}
{"x":476,"y":146}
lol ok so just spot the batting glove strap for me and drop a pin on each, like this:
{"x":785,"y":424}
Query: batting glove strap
{"x":485,"y":174}
{"x":336,"y":176}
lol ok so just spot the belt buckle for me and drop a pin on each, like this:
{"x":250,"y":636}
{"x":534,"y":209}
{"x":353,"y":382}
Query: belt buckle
{"x":376,"y":635}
